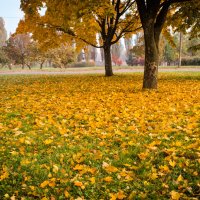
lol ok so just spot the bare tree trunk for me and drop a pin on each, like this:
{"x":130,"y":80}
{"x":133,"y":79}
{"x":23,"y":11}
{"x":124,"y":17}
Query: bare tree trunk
{"x":180,"y":49}
{"x":28,"y":66}
{"x":10,"y":66}
{"x":41,"y":65}
{"x":151,"y":60}
{"x":108,"y":60}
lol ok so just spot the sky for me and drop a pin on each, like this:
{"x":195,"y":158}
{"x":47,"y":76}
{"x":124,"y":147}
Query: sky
{"x":10,"y":11}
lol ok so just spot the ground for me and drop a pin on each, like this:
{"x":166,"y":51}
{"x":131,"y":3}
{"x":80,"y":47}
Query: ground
{"x":96,"y":137}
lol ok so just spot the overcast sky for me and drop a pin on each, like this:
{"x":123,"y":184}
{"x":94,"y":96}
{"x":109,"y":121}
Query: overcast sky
{"x":10,"y":11}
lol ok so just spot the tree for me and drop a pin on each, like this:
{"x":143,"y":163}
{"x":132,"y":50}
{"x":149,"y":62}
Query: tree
{"x":61,"y":56}
{"x":37,"y":54}
{"x":111,"y":19}
{"x":138,"y":48}
{"x":3,"y":33}
{"x":18,"y":49}
{"x":153,"y":15}
{"x":116,"y":60}
{"x":170,"y":53}
{"x":4,"y":59}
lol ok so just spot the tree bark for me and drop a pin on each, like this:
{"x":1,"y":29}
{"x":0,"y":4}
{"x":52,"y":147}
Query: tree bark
{"x":108,"y":60}
{"x":151,"y":59}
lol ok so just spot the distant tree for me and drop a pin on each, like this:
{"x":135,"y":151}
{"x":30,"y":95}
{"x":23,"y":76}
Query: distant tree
{"x":37,"y":54}
{"x":4,"y":59}
{"x":116,"y":50}
{"x":3,"y":32}
{"x":136,"y":52}
{"x":138,"y":48}
{"x":192,"y":46}
{"x":61,"y":56}
{"x":18,"y":49}
{"x":117,"y":60}
{"x":170,"y":53}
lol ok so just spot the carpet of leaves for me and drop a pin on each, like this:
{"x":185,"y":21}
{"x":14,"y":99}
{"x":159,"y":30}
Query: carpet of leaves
{"x":93,"y":137}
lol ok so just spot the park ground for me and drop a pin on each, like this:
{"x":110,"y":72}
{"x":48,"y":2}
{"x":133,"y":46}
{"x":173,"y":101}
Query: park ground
{"x":86,"y":136}
{"x":94,"y":70}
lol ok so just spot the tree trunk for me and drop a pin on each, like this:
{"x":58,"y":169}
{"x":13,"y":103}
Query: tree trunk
{"x":10,"y":66}
{"x":41,"y":65}
{"x":29,"y":66}
{"x":23,"y":63}
{"x":151,"y":60}
{"x":108,"y":61}
{"x":180,"y":49}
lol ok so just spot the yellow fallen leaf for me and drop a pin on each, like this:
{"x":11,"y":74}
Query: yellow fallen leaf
{"x":113,"y":196}
{"x":121,"y":195}
{"x":25,"y":162}
{"x":4,"y":174}
{"x":55,"y":168}
{"x":44,"y":198}
{"x":78,"y":183}
{"x":52,"y":184}
{"x":143,"y":156}
{"x":32,"y":188}
{"x":180,"y":178}
{"x":105,"y":164}
{"x":108,"y":179}
{"x":92,"y":180}
{"x":14,"y":153}
{"x":175,"y":195}
{"x":48,"y":141}
{"x":44,"y":184}
{"x":154,"y":176}
{"x":110,"y":169}
{"x":172,"y":163}
{"x":66,"y":193}
{"x":78,"y":167}
{"x":164,"y":168}
{"x":13,"y":197}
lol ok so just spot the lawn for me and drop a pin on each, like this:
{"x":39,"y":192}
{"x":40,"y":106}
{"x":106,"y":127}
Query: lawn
{"x":77,"y":69}
{"x":94,"y":137}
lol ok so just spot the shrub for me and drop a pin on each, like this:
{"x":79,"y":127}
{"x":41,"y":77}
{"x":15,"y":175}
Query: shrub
{"x":190,"y":61}
{"x":116,"y":60}
{"x":133,"y":61}
{"x":82,"y":64}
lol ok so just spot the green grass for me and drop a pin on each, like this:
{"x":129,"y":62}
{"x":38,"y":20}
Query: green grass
{"x":49,"y":69}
